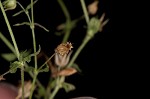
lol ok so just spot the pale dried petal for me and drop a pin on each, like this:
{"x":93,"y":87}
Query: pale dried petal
{"x":62,"y":60}
{"x":67,"y":72}
{"x":102,"y":22}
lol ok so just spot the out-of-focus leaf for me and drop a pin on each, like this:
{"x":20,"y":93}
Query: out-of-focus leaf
{"x":53,"y":83}
{"x":9,"y":56}
{"x":76,"y":66}
{"x":68,"y":87}
{"x":40,"y":93}
{"x":59,"y":33}
{"x":29,"y":68}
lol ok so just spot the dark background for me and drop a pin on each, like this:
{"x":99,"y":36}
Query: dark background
{"x":97,"y":60}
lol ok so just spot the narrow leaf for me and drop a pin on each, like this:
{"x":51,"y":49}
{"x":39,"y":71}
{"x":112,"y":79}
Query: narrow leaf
{"x":9,"y":56}
{"x":23,"y":23}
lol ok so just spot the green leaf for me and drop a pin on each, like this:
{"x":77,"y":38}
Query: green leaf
{"x":41,"y":26}
{"x":46,"y":69}
{"x":28,"y":58}
{"x":40,"y":93}
{"x":18,"y":13}
{"x":14,"y":66}
{"x":9,"y":56}
{"x":68,"y":87}
{"x":36,"y":53}
{"x":23,"y":23}
{"x":53,"y":83}
{"x":25,"y":56}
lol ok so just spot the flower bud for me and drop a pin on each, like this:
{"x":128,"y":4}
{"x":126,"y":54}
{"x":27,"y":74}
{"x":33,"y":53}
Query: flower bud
{"x":62,"y":54}
{"x":9,"y":4}
{"x":93,"y":7}
{"x":96,"y":25}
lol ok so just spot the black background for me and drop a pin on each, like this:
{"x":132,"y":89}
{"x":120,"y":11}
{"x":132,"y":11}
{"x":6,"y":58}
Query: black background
{"x":97,"y":60}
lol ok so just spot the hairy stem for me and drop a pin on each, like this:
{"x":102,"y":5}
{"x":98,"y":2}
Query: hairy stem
{"x":22,"y":81}
{"x":33,"y":85}
{"x":10,"y":31}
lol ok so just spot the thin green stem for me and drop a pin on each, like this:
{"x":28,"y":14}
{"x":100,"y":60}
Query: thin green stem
{"x":85,"y":41}
{"x":85,"y":11}
{"x":37,"y":81}
{"x":67,"y":34}
{"x":46,"y":62}
{"x":22,"y":81}
{"x":64,"y":9}
{"x":32,"y":13}
{"x":54,"y":92}
{"x":24,"y":11}
{"x":68,"y":20}
{"x":5,"y":73}
{"x":59,"y":81}
{"x":7,"y":43}
{"x":33,"y":85}
{"x":33,"y":35}
{"x":10,"y":31}
{"x":34,"y":47}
